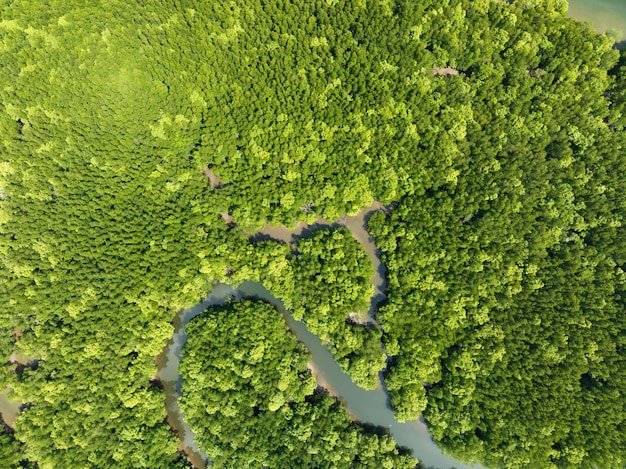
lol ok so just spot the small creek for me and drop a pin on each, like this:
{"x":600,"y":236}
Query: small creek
{"x":364,"y":406}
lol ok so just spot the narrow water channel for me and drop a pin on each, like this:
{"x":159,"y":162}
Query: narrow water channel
{"x":357,"y":225}
{"x":364,"y":406}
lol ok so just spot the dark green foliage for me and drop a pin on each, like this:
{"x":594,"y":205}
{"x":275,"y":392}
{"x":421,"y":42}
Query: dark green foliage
{"x":250,"y":400}
{"x":10,"y":449}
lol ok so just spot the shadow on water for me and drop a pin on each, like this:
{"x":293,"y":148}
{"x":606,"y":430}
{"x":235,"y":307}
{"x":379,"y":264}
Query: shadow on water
{"x":317,"y":226}
{"x":259,"y":237}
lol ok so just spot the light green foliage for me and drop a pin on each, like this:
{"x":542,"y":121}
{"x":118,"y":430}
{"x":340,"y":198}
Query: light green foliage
{"x":104,"y":230}
{"x":241,"y":356}
{"x":319,"y":112}
{"x":250,"y":400}
{"x":505,"y":247}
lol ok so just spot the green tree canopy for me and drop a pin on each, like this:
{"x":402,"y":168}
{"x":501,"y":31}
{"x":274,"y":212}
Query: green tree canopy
{"x":251,"y":402}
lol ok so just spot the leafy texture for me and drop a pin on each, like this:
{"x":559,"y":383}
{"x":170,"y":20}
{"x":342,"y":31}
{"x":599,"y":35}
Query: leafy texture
{"x":324,"y":283}
{"x":256,"y":406}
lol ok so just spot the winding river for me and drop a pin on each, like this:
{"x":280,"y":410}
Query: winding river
{"x":364,"y":406}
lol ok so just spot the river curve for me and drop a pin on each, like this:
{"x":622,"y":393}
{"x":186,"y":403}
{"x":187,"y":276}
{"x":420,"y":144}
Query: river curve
{"x":364,"y":406}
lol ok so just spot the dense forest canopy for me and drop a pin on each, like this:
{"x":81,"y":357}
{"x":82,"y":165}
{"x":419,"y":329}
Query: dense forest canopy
{"x":494,"y":130}
{"x":258,"y":406}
